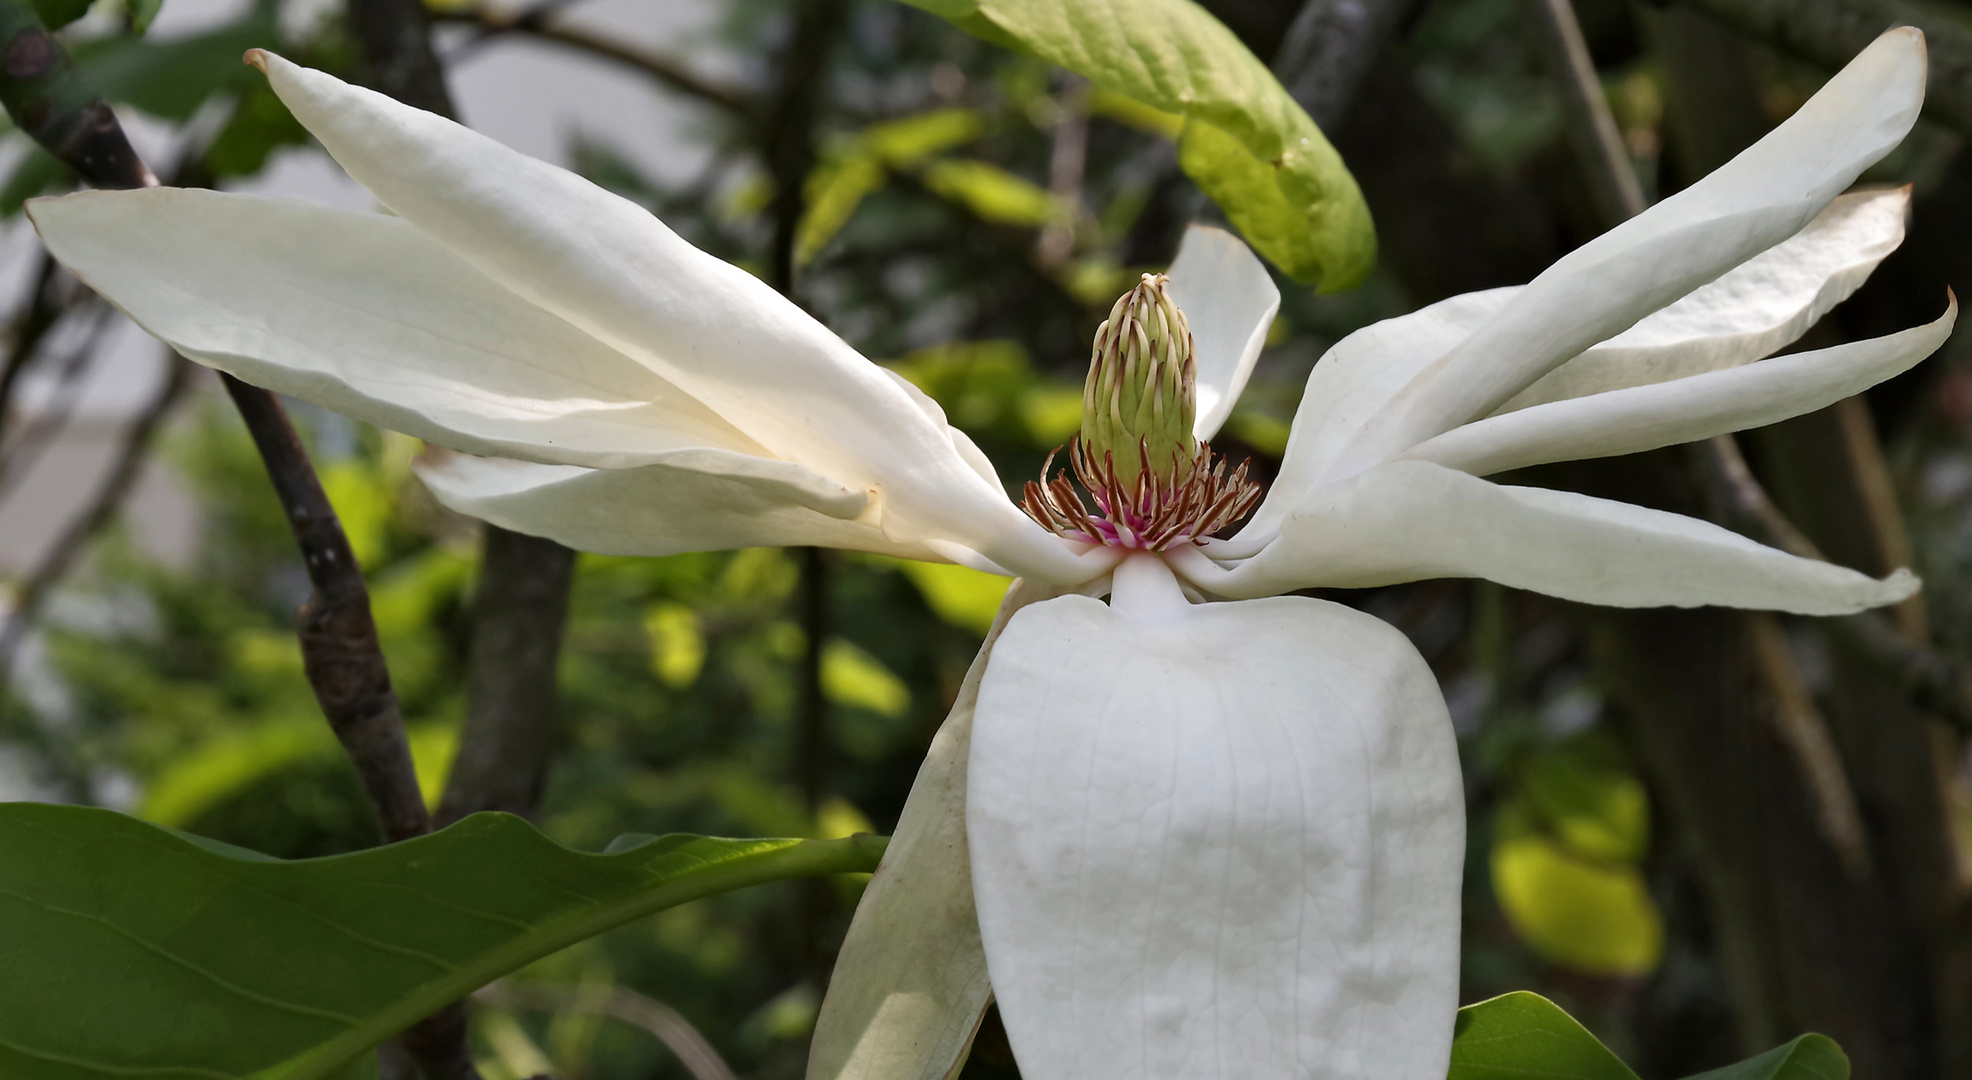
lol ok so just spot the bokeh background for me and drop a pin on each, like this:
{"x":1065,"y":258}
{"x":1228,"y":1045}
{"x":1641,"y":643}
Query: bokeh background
{"x":1700,"y":832}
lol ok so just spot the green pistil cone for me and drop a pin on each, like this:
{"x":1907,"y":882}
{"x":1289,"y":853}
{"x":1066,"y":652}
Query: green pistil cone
{"x":1142,"y":391}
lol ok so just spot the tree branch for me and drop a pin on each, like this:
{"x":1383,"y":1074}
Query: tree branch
{"x":519,"y":610}
{"x":1832,"y":32}
{"x":1328,"y":51}
{"x":34,"y":590}
{"x":672,"y":73}
{"x":339,"y":644}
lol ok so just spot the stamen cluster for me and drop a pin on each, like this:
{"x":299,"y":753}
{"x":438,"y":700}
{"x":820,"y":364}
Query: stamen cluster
{"x":1159,"y":509}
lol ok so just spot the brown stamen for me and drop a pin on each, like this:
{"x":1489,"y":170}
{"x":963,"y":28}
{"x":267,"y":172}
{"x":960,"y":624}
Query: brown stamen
{"x":1185,"y":503}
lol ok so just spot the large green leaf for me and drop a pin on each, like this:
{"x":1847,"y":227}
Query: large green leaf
{"x":1246,"y":142}
{"x":1523,"y":1036}
{"x":129,"y":950}
{"x":1810,"y":1057}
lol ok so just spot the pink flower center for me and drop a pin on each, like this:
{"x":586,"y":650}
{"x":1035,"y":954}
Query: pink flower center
{"x":1161,"y":509}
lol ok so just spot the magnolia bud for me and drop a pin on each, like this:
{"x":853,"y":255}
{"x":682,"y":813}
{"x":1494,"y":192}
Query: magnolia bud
{"x":1141,"y":397}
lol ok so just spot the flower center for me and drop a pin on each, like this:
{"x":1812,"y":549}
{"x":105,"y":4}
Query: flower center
{"x":1153,"y":484}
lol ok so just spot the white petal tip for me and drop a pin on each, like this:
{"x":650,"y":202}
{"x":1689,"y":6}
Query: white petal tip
{"x":1901,"y":585}
{"x":256,"y":58}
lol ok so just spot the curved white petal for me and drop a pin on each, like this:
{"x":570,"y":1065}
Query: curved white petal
{"x":1229,"y":300}
{"x":364,"y":315}
{"x":1410,"y":520}
{"x":1217,"y":842}
{"x":610,"y":268}
{"x":909,"y":986}
{"x":1766,"y":194}
{"x":1756,"y":308}
{"x":698,"y":500}
{"x":1352,"y":383}
{"x":1686,"y":410}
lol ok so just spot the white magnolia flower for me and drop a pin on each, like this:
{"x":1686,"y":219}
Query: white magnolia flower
{"x":1205,"y":839}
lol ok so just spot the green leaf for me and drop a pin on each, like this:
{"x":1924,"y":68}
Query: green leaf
{"x":833,"y":192}
{"x":170,"y":80}
{"x":38,"y":173}
{"x":1523,"y":1036}
{"x":56,"y":14}
{"x":1590,"y":915}
{"x":1246,"y":142}
{"x":132,"y":950}
{"x":991,"y":193}
{"x":1810,"y":1057}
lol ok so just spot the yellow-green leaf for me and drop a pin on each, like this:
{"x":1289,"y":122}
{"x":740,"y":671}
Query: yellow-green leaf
{"x":1590,"y":915}
{"x":854,"y":678}
{"x":1286,"y":188}
{"x":991,"y":193}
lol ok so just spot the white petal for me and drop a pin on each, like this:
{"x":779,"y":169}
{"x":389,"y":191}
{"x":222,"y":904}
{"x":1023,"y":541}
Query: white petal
{"x":1353,"y":382}
{"x":1756,"y":308}
{"x":1410,"y":520}
{"x":1218,"y":847}
{"x":1766,"y":194}
{"x":610,"y":268}
{"x":1229,"y":301}
{"x":1686,"y":410}
{"x":364,"y":315}
{"x":699,"y":500}
{"x":909,"y":986}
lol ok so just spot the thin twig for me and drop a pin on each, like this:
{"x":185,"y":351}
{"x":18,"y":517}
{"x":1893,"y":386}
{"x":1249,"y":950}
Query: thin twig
{"x":37,"y":316}
{"x":339,"y":646}
{"x":1746,"y":500}
{"x":19,"y":452}
{"x":61,"y":556}
{"x":1591,"y":128}
{"x":1804,"y":731}
{"x":693,"y":1050}
{"x":670,"y":72}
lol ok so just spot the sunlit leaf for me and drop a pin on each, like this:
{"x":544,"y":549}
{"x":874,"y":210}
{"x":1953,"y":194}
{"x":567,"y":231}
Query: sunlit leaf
{"x":1595,"y":916}
{"x":1246,"y":142}
{"x":856,"y":679}
{"x":362,"y":505}
{"x":1523,"y":1036}
{"x":134,"y":951}
{"x":835,"y":189}
{"x":1053,"y":414}
{"x":1590,"y":801}
{"x":959,"y":595}
{"x":905,"y":143}
{"x":677,"y":643}
{"x":991,"y":193}
{"x":200,"y":779}
{"x":857,"y":167}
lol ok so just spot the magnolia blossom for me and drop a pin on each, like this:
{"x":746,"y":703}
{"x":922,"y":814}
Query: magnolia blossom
{"x":1203,"y":829}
